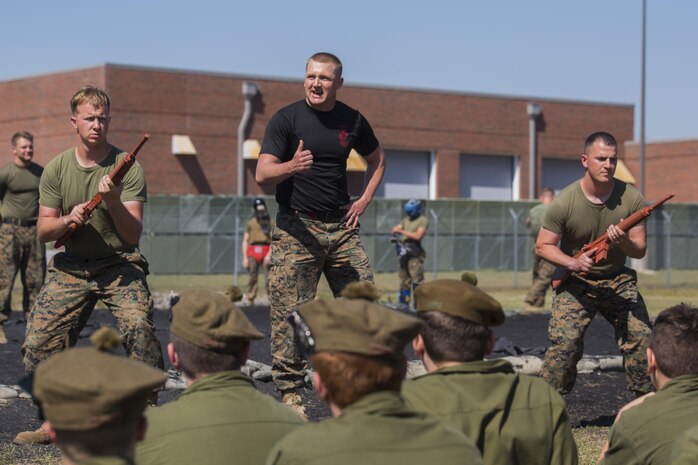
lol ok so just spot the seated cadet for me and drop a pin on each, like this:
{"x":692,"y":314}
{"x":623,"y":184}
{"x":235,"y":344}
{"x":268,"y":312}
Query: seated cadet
{"x":686,"y":448}
{"x":646,"y":429}
{"x":220,"y":417}
{"x":512,"y":418}
{"x":93,"y":401}
{"x":356,"y":349}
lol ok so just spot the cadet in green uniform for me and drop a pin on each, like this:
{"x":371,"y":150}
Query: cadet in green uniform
{"x":256,"y":247}
{"x":93,"y":401}
{"x":101,"y":259}
{"x":581,"y":213}
{"x":686,"y":448}
{"x":220,"y":417}
{"x":357,"y":353}
{"x":512,"y":418}
{"x":411,"y":255}
{"x":542,"y":269}
{"x":20,"y":248}
{"x":646,"y":430}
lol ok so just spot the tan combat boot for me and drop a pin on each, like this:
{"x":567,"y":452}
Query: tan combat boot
{"x":3,"y":339}
{"x":40,"y":436}
{"x":292,"y":399}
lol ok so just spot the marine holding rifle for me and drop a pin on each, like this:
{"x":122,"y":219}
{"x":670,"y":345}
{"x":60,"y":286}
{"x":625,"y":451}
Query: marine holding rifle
{"x":101,"y":259}
{"x":585,"y":210}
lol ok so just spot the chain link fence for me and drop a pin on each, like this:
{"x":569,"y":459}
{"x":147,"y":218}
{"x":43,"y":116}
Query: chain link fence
{"x":203,"y":235}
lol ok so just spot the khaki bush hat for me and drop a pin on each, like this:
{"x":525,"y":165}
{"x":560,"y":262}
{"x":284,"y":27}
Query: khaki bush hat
{"x":210,"y":320}
{"x":461,"y":299}
{"x":87,"y":388}
{"x":358,"y":326}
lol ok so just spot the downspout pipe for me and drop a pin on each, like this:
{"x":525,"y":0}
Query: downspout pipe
{"x":249,"y":90}
{"x":533,"y":110}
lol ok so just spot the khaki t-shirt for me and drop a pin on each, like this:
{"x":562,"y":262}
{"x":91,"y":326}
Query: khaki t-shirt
{"x":19,"y":191}
{"x":412,"y":225}
{"x":580,"y":221}
{"x":535,"y":216}
{"x":256,"y":232}
{"x":65,"y":184}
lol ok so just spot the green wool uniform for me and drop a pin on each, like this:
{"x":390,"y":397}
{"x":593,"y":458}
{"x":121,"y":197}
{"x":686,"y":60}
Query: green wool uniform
{"x":20,"y":248}
{"x":110,"y":460}
{"x":686,"y":448}
{"x":411,"y":264}
{"x":97,"y":265}
{"x":512,"y":418}
{"x":647,"y":433}
{"x":609,"y":289}
{"x":542,"y":269}
{"x":220,"y":418}
{"x":257,"y":237}
{"x":377,"y":429}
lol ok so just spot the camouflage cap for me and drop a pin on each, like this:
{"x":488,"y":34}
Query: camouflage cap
{"x":87,"y":388}
{"x":358,"y":326}
{"x":211,"y":321}
{"x":460,"y":299}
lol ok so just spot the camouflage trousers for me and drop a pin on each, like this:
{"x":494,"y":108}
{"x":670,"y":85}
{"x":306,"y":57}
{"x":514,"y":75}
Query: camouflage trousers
{"x":575,"y":303}
{"x":20,"y":251}
{"x":302,"y":250}
{"x":542,"y":275}
{"x":253,"y":267}
{"x":411,"y":271}
{"x":67,"y":299}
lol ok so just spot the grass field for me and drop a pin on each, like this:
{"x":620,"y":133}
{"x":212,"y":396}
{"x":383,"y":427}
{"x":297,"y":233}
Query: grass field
{"x":500,"y":284}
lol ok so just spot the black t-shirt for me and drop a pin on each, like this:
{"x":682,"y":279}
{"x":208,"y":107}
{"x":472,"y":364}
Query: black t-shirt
{"x":330,"y":136}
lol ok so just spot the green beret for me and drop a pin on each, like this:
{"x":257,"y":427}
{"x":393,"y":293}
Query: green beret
{"x":211,"y":321}
{"x":460,"y":299}
{"x":85,"y":388}
{"x":358,"y":326}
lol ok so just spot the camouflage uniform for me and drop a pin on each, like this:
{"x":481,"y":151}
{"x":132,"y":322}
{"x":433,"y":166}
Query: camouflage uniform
{"x":542,"y":275}
{"x":21,"y":251}
{"x":542,"y":269}
{"x":301,"y":250}
{"x":411,"y":267}
{"x":575,"y":304}
{"x":73,"y":287}
{"x":98,"y":265}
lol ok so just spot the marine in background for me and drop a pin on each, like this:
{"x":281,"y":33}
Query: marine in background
{"x":256,"y":248}
{"x":408,"y":235}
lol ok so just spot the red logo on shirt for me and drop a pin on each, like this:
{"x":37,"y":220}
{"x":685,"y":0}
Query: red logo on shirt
{"x":344,"y":138}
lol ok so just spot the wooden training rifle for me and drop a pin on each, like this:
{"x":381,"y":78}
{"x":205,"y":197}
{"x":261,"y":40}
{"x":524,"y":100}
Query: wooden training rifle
{"x":599,"y":247}
{"x":116,"y":176}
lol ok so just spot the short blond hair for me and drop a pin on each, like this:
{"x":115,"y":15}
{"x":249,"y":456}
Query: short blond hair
{"x":90,"y":94}
{"x":22,"y":135}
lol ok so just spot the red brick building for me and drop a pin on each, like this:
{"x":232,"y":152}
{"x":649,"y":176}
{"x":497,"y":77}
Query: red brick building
{"x":669,"y":167}
{"x":439,"y":144}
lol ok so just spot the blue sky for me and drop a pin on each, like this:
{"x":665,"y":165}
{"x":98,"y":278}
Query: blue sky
{"x":560,"y":49}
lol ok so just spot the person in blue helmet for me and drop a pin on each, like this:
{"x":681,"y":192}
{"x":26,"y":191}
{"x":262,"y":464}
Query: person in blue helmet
{"x":411,"y":256}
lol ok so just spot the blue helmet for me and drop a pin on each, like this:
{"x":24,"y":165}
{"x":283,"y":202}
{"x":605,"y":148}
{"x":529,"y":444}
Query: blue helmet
{"x":413,"y":207}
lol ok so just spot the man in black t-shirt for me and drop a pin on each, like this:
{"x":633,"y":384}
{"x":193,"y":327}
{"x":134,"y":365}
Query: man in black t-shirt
{"x":305,"y":153}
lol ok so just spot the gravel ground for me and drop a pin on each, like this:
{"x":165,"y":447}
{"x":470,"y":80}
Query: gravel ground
{"x":594,"y":401}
